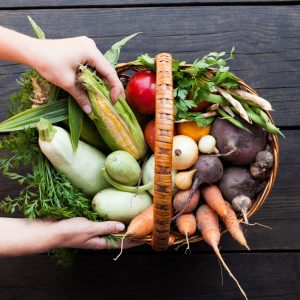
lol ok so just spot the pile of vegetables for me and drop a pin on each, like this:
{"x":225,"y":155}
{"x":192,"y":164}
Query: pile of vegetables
{"x":100,"y":166}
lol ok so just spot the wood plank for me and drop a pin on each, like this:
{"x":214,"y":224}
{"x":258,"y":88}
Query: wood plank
{"x":280,"y":211}
{"x":266,"y":40}
{"x":65,"y":3}
{"x":264,"y":276}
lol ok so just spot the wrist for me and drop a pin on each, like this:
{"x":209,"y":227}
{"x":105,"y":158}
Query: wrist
{"x":31,"y":53}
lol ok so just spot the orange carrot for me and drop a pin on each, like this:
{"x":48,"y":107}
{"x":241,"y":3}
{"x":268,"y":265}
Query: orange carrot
{"x":214,"y":199}
{"x":232,"y":224}
{"x":187,"y":226}
{"x":172,"y":239}
{"x":208,"y":224}
{"x":139,"y":227}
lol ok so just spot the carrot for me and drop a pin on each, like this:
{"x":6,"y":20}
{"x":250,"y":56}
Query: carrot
{"x":139,"y":227}
{"x":208,"y":224}
{"x":232,"y":224}
{"x":187,"y":226}
{"x":214,"y":199}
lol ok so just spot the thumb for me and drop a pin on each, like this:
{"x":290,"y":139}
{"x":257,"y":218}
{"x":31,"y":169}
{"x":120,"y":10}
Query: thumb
{"x":108,"y":227}
{"x":81,"y":98}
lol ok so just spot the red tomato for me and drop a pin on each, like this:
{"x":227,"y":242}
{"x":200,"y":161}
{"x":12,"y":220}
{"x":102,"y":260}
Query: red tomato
{"x":140,"y":92}
{"x":149,"y":133}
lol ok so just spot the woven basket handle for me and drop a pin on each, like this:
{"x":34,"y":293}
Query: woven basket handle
{"x":164,"y":131}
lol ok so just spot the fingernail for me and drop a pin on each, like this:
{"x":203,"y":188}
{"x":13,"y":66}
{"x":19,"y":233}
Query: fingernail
{"x":120,"y":227}
{"x":87,"y":109}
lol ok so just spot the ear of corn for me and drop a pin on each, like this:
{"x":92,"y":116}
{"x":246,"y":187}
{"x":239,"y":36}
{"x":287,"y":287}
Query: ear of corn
{"x":116,"y":123}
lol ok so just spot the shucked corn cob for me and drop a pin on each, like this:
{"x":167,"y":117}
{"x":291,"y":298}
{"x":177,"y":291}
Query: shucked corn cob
{"x":116,"y":123}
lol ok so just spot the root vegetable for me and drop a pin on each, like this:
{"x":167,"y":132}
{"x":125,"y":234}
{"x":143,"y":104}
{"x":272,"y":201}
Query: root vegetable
{"x":208,"y":225}
{"x":209,"y":170}
{"x":259,"y":172}
{"x":184,"y":180}
{"x":214,"y":199}
{"x":265,"y":159}
{"x":139,"y":227}
{"x":242,"y":204}
{"x":207,"y":144}
{"x":180,"y":201}
{"x":187,"y":226}
{"x":238,"y":146}
{"x":237,"y":181}
{"x":185,"y":152}
{"x":232,"y":224}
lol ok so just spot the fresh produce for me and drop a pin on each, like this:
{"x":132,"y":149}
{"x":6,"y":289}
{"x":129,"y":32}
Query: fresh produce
{"x":238,"y":146}
{"x":181,"y":204}
{"x":140,"y":92}
{"x":116,"y":123}
{"x":126,"y":188}
{"x":207,"y":144}
{"x":208,"y":225}
{"x":260,"y":169}
{"x":242,"y":204}
{"x":214,"y":199}
{"x":122,"y":167}
{"x":232,"y":224}
{"x":115,"y":205}
{"x":237,"y":181}
{"x":184,"y":180}
{"x":148,"y":173}
{"x":149,"y":133}
{"x":81,"y":167}
{"x":192,"y":130}
{"x":184,"y":153}
{"x":209,"y":170}
{"x":187,"y":226}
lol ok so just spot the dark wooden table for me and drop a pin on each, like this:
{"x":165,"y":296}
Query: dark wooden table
{"x":266,"y":36}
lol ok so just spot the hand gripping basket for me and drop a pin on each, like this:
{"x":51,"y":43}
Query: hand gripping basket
{"x":164,"y":126}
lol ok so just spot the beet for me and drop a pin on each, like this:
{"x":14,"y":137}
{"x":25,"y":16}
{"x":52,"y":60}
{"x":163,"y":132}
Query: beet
{"x":238,"y":146}
{"x":237,"y":181}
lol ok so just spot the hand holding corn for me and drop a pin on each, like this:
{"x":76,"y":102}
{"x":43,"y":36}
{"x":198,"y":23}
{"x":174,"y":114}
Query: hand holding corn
{"x":58,"y":60}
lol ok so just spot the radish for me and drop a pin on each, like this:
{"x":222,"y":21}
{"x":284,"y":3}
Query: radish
{"x":82,"y":167}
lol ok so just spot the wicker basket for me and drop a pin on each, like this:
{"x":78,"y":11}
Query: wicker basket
{"x":164,"y":124}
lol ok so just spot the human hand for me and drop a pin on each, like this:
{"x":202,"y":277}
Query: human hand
{"x":84,"y":234}
{"x":58,"y":60}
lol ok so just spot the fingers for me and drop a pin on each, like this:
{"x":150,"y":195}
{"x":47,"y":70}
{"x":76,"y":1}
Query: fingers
{"x":98,"y":61}
{"x":81,"y":98}
{"x":98,"y":243}
{"x":108,"y":227}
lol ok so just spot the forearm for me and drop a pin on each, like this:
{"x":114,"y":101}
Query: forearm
{"x":23,"y":236}
{"x":16,"y":47}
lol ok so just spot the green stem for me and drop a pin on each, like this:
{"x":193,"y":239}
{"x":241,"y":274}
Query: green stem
{"x":125,"y":188}
{"x":46,"y":130}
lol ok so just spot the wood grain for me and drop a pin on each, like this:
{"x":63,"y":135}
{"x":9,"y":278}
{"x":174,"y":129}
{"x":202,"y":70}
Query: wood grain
{"x":266,"y":39}
{"x":66,"y":3}
{"x":264,"y":276}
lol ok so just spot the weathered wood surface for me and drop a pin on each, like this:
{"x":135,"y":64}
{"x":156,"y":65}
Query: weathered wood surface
{"x":109,"y":3}
{"x":264,"y":276}
{"x":266,"y":39}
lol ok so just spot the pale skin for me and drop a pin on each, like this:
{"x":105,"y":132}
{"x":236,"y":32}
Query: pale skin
{"x":57,"y":61}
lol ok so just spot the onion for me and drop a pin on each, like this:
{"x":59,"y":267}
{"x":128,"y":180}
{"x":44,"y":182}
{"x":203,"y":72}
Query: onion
{"x":185,"y":152}
{"x":207,"y":144}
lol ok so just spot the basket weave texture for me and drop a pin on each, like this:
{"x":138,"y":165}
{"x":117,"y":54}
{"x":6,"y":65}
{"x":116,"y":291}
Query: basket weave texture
{"x":164,"y":126}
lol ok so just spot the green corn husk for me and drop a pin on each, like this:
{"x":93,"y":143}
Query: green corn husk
{"x":116,"y":123}
{"x":55,"y":112}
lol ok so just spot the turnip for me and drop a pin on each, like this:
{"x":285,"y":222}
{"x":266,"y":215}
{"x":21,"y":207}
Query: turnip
{"x":242,"y":204}
{"x":237,"y":181}
{"x":238,"y":146}
{"x":260,"y":169}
